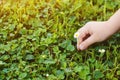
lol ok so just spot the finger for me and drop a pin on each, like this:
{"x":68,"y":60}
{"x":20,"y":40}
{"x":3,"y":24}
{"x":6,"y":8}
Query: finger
{"x":80,"y":39}
{"x":89,"y":41}
{"x":82,"y":35}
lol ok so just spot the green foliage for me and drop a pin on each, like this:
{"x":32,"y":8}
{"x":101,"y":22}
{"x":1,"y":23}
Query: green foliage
{"x":36,"y":40}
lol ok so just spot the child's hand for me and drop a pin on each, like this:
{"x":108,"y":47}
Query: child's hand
{"x":97,"y":31}
{"x":94,"y":32}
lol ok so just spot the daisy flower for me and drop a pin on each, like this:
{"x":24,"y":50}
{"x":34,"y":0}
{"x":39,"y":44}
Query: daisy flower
{"x":47,"y":75}
{"x":101,"y":50}
{"x":76,"y":35}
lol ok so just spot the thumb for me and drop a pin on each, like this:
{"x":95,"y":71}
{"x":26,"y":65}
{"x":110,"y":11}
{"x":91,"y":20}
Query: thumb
{"x":86,"y":43}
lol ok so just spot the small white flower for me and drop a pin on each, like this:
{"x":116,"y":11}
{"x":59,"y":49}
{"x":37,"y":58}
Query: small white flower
{"x":44,"y":56}
{"x":47,"y":75}
{"x":76,"y":35}
{"x":11,"y":34}
{"x":101,"y":50}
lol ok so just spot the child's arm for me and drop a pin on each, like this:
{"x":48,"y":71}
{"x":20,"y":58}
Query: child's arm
{"x":114,"y":21}
{"x":98,"y":31}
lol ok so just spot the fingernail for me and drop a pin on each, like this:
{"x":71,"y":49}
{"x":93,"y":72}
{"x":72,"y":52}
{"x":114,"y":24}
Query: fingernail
{"x":81,"y":47}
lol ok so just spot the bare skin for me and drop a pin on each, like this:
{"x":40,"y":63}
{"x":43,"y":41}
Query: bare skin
{"x":94,"y":31}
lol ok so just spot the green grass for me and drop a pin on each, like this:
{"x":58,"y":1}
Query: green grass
{"x":36,"y":40}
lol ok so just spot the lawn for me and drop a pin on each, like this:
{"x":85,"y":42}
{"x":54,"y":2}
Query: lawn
{"x":37,"y":40}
